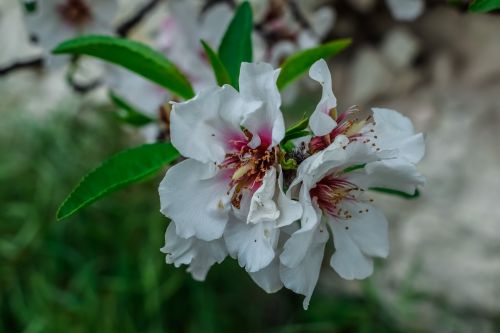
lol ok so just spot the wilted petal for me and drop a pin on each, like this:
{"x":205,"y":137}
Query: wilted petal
{"x":321,"y":122}
{"x":194,"y":195}
{"x":303,"y":277}
{"x":199,"y":255}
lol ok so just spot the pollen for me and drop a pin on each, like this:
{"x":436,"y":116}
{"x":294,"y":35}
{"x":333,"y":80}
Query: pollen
{"x":248,"y":167}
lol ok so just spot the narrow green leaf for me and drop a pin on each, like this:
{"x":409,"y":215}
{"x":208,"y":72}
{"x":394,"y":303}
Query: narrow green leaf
{"x":236,"y":45}
{"x":354,"y":167}
{"x":300,"y":62}
{"x":298,"y":126}
{"x":124,"y":168}
{"x":133,"y":56}
{"x":128,"y":113}
{"x":220,"y":71}
{"x":483,"y":6}
{"x":396,"y":192}
{"x":295,"y":135}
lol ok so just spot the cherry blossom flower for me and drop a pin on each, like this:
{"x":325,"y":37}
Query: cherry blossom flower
{"x":230,"y":186}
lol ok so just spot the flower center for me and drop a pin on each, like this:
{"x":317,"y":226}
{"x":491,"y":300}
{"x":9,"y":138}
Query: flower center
{"x":331,"y":191}
{"x":247,"y":167}
{"x":75,"y":12}
{"x":350,"y":125}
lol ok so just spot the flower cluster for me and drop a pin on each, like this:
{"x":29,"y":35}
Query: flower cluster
{"x":235,"y":193}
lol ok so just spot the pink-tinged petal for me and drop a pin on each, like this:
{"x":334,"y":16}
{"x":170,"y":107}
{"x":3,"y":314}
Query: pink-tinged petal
{"x":198,"y":254}
{"x":321,"y":121}
{"x":303,"y":277}
{"x":258,"y":83}
{"x":268,"y":278}
{"x":194,"y":195}
{"x":252,"y":244}
{"x":203,"y":127}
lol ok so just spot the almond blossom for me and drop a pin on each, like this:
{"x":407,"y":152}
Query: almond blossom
{"x":54,"y":21}
{"x":229,"y":189}
{"x":348,"y":156}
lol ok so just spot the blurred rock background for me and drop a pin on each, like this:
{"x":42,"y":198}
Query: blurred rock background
{"x":102,"y":270}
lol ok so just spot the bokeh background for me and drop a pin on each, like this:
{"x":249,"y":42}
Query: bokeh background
{"x":102,"y":271}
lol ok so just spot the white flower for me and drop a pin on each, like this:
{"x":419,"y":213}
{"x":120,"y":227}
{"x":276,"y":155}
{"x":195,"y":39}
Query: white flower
{"x":230,"y":186}
{"x":57,"y":20}
{"x":406,"y":10}
{"x":178,"y":37}
{"x":180,"y":34}
{"x":382,"y":130}
{"x":281,"y":33}
{"x":349,"y":155}
{"x":335,"y":199}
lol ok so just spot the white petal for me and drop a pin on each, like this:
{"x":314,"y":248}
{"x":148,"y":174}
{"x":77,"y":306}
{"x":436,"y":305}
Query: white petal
{"x":396,"y":174}
{"x":262,"y":206}
{"x":348,"y":261}
{"x":357,"y":239}
{"x":321,"y":122}
{"x":302,"y":278}
{"x":368,"y":229}
{"x":295,"y":248}
{"x":268,"y":278}
{"x":214,"y":23}
{"x":323,"y":20}
{"x":396,"y":131}
{"x":258,"y":83}
{"x":252,"y":244}
{"x":199,"y":255}
{"x":194,"y":195}
{"x":202,"y":127}
{"x":406,"y":10}
{"x":290,"y":210}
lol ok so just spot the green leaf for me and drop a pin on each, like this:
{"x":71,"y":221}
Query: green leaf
{"x":220,"y":71}
{"x":483,"y":6}
{"x":354,"y":167}
{"x":133,"y":56}
{"x":295,"y":135}
{"x":396,"y":192}
{"x":300,"y":62}
{"x":236,"y":45}
{"x":124,"y":168}
{"x":128,"y":113}
{"x":298,"y":126}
